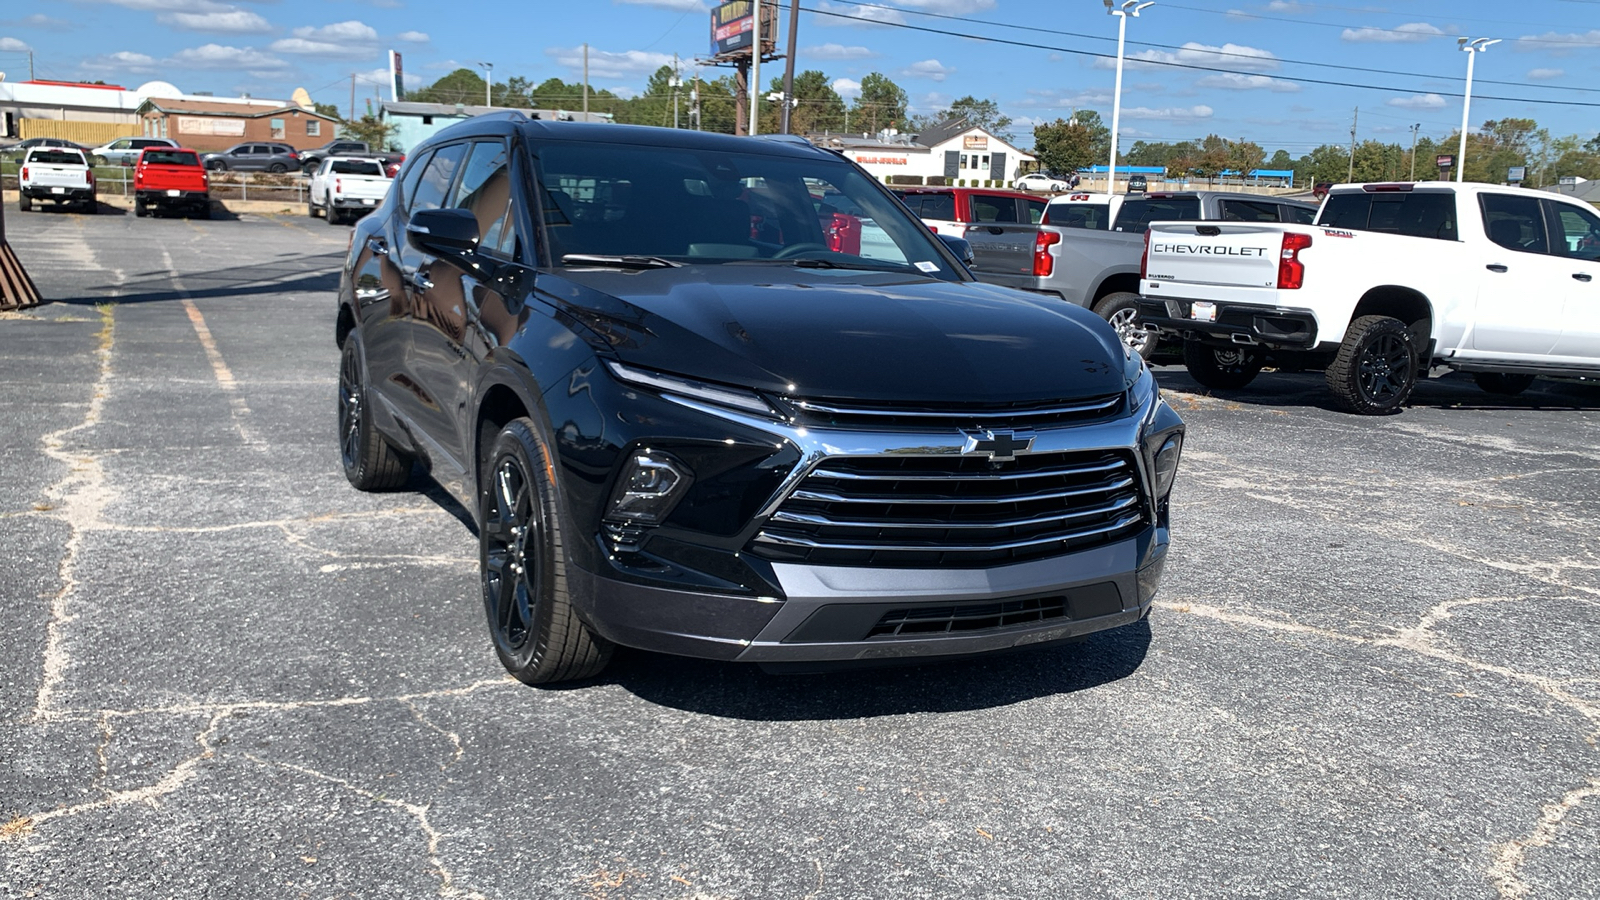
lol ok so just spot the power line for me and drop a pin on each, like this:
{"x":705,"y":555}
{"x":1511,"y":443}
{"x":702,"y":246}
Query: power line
{"x":1241,"y":14}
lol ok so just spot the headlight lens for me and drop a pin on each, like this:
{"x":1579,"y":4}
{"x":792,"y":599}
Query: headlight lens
{"x":1167,"y":464}
{"x":746,"y":401}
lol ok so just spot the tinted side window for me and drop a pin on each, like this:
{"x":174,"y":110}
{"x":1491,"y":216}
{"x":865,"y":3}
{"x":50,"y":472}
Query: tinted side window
{"x":435,"y":181}
{"x":1577,"y":231}
{"x":1033,"y":210}
{"x":1515,"y":223}
{"x":1430,"y":214}
{"x":485,"y":190}
{"x":1299,"y":215}
{"x":1137,"y":215}
{"x":1249,"y":211}
{"x":938,"y":206}
{"x":993,"y":209}
{"x":412,"y":175}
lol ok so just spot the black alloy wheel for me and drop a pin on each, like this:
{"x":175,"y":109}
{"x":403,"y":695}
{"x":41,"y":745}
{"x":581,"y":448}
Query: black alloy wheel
{"x":1376,"y":367}
{"x":1221,"y":368}
{"x":277,"y":168}
{"x":216,"y":165}
{"x":1505,"y":384}
{"x":1122,"y":311}
{"x":536,"y":632}
{"x":370,"y":462}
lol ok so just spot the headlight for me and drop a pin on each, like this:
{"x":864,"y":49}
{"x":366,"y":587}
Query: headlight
{"x":721,"y":395}
{"x":1167,"y":464}
{"x":650,"y":485}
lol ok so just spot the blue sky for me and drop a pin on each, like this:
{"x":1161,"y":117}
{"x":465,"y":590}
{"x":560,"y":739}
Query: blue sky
{"x":1404,"y":49}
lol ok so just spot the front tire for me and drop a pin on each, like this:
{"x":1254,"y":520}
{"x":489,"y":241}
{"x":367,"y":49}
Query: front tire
{"x":536,"y":632}
{"x":1122,"y":311}
{"x":1376,"y":367}
{"x":1504,"y":384}
{"x":370,"y":462}
{"x":1221,"y":368}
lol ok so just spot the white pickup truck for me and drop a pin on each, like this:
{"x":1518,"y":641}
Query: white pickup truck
{"x":1392,"y":281}
{"x":58,"y":174}
{"x":345,"y":187}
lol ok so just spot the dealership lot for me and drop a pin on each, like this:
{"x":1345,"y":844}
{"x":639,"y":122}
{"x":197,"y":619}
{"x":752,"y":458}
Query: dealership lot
{"x":1372,"y":669}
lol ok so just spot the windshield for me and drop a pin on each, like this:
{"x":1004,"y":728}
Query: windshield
{"x":714,"y":207}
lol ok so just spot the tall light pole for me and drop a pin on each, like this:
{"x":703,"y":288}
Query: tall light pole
{"x":488,"y":83}
{"x":1128,"y":8}
{"x":1472,"y":46}
{"x":1414,"y":150}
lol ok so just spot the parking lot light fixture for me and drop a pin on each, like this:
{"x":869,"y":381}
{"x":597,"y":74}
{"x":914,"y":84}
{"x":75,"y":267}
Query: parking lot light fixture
{"x":1122,"y":12}
{"x":1472,"y":47}
{"x":488,"y":82}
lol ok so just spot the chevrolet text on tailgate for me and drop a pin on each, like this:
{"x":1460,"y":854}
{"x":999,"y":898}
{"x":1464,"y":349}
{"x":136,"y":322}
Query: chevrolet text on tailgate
{"x":725,"y":397}
{"x":1392,"y":281}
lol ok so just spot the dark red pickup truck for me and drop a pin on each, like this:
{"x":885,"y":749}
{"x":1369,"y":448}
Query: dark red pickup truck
{"x":168,"y":178}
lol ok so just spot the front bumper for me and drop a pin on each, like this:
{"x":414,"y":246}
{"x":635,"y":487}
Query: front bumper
{"x":1235,"y":323}
{"x":843,"y":614}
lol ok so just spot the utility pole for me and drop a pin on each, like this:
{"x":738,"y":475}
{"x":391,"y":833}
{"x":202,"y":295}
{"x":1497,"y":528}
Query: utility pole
{"x":1414,"y":150}
{"x":352,"y":96}
{"x":586,"y":82}
{"x":694,"y":101}
{"x":488,"y":82}
{"x":30,"y":65}
{"x":755,"y":71}
{"x":677,"y":81}
{"x":788,"y":65}
{"x":1351,"y":176}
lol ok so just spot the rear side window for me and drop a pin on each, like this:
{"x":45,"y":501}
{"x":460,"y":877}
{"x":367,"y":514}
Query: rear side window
{"x":1429,"y":214}
{"x":993,"y":209}
{"x":170,"y":158}
{"x":1034,"y":210}
{"x":1137,"y":215}
{"x":436,"y":178}
{"x":1577,"y":231}
{"x":1249,"y":211}
{"x":1515,"y":223}
{"x":934,"y":206}
{"x":1299,"y":215}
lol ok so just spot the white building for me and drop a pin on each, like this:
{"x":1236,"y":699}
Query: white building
{"x":953,"y":150}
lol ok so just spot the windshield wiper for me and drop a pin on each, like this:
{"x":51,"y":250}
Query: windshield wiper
{"x":621,"y":262}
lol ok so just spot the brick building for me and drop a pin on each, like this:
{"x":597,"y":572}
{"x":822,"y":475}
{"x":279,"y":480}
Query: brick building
{"x":219,"y":124}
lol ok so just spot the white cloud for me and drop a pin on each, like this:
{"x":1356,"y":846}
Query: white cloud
{"x":341,"y":39}
{"x":380,"y":77}
{"x":680,"y":5}
{"x":169,"y":6}
{"x":846,"y":88}
{"x":625,"y":92}
{"x":412,"y":37}
{"x":1236,"y":56}
{"x":607,"y":64}
{"x":12,"y":45}
{"x":948,"y":7}
{"x":1557,"y":43}
{"x":216,"y":56}
{"x":837,"y":51}
{"x":1235,"y":82}
{"x":42,"y":22}
{"x":1409,"y":33}
{"x":1171,"y":114}
{"x":868,"y":15}
{"x":123,"y":61}
{"x":1545,"y":74}
{"x":928,"y":68}
{"x":1419,"y":101}
{"x":233,"y":21}
{"x":1056,"y":101}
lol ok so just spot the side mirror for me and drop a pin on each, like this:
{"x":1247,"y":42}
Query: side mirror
{"x":443,"y":232}
{"x":961,"y":247}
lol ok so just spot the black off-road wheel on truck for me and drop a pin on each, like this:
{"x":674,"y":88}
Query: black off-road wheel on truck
{"x":1505,"y":384}
{"x":536,"y":632}
{"x":1376,"y":367}
{"x":1221,"y":368}
{"x":24,"y":202}
{"x":1122,"y":311}
{"x":370,"y":462}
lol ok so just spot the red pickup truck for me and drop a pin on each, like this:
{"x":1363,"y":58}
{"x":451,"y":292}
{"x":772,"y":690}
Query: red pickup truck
{"x":169,"y":178}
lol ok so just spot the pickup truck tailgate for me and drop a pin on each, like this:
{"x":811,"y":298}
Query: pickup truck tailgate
{"x":1217,"y":253}
{"x":1002,"y":249}
{"x":46,"y":175}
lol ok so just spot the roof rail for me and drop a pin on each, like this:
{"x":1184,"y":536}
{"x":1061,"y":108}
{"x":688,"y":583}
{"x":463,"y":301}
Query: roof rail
{"x":785,"y":138}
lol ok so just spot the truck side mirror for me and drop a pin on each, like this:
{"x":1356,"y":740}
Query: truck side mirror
{"x":960,"y":246}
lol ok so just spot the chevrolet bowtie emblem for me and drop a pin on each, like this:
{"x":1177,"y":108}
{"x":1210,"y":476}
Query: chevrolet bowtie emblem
{"x":1000,"y":446}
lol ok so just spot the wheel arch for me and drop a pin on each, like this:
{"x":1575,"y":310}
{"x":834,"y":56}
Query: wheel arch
{"x":1115,"y":283}
{"x":345,"y":324}
{"x":1403,"y":303}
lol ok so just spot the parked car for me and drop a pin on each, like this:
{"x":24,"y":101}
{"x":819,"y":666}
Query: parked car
{"x":311,"y":160}
{"x":125,"y":151}
{"x":1138,"y":184}
{"x":684,"y":430}
{"x":1042,"y":183}
{"x":1098,"y":267}
{"x":345,"y":188}
{"x":1320,"y":189}
{"x":58,"y":174}
{"x":949,"y":210}
{"x":167,"y":178}
{"x":20,"y":149}
{"x":254,"y":157}
{"x":1391,"y":282}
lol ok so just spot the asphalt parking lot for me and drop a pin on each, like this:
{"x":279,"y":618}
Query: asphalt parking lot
{"x":1372,"y":671}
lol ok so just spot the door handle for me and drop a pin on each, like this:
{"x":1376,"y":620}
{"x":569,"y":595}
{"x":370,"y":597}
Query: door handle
{"x":419,"y":280}
{"x":1495,"y":267}
{"x":1583,"y":276}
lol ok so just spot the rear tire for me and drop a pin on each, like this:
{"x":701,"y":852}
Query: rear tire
{"x":370,"y":462}
{"x":332,"y":214}
{"x":277,"y":168}
{"x":1221,"y":368}
{"x":139,"y":209}
{"x":1504,"y":384}
{"x":1122,"y":311}
{"x":536,"y":632}
{"x":24,"y":202}
{"x":1376,"y":368}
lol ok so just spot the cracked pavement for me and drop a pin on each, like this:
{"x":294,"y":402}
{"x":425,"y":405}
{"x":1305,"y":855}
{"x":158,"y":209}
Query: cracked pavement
{"x":1371,"y":671}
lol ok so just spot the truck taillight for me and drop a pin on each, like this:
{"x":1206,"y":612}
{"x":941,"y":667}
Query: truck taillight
{"x":338,"y":185}
{"x":1291,"y":271}
{"x":24,"y":172}
{"x":88,"y":177}
{"x":1144,"y":257}
{"x":1043,"y":262}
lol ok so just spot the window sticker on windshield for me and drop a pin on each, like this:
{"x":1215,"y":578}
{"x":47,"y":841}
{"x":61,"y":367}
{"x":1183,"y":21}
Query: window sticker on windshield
{"x":926,"y":266}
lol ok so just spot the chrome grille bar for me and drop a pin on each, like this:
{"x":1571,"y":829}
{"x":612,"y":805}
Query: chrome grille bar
{"x":1088,"y":469}
{"x":881,"y":499}
{"x":787,"y":540}
{"x":1098,"y":404}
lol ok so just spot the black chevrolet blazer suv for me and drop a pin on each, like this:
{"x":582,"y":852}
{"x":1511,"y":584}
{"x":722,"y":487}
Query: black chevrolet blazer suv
{"x":727,"y":398}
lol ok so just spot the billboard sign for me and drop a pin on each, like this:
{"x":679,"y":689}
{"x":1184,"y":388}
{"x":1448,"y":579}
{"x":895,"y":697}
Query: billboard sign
{"x":1516,"y":174}
{"x":733,"y":26}
{"x":1445,"y":162}
{"x":397,"y":77}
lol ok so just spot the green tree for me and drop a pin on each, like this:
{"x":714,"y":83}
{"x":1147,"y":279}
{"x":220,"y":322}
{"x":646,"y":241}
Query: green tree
{"x":1062,"y":146}
{"x":1245,"y":156}
{"x":983,"y":114}
{"x":1281,"y":160}
{"x":331,"y":110}
{"x":368,"y":128}
{"x":462,"y":86}
{"x":882,"y":104}
{"x":1214,"y":156}
{"x":820,"y":108}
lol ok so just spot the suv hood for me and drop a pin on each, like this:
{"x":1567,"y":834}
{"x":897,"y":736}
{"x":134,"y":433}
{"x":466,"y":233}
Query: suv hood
{"x":844,"y":334}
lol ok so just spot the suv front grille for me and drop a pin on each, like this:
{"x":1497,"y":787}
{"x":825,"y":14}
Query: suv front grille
{"x":1047,"y":414}
{"x":973,"y":617}
{"x":928,"y":511}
